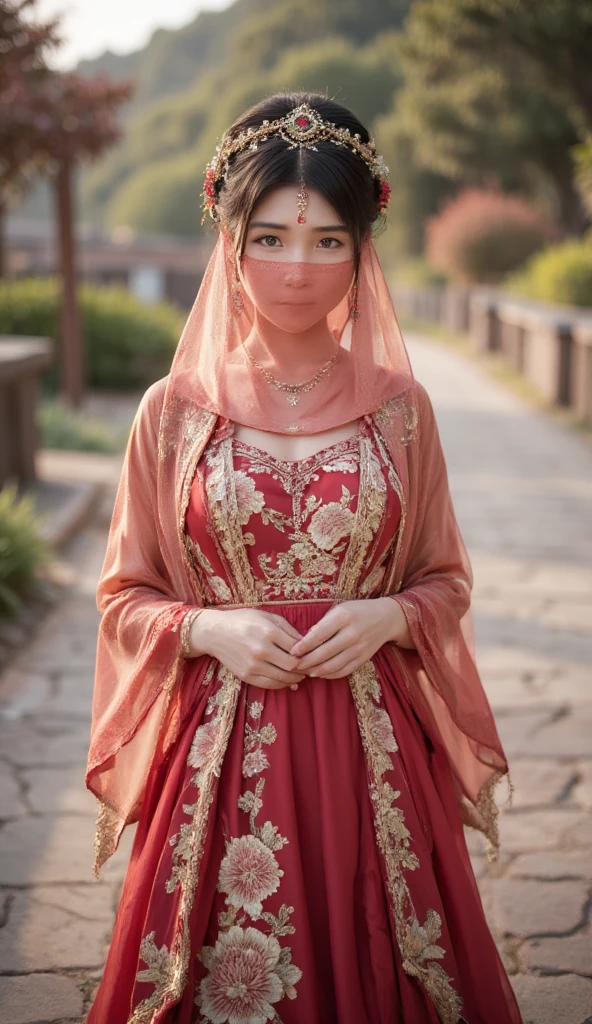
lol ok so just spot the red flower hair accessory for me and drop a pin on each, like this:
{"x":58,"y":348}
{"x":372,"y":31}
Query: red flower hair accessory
{"x":384,"y":195}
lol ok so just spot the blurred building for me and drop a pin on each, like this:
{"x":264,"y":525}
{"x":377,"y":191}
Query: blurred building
{"x":153,"y":267}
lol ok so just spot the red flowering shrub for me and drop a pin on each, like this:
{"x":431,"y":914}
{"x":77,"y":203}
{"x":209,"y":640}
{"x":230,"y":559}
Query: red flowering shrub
{"x":481,"y":235}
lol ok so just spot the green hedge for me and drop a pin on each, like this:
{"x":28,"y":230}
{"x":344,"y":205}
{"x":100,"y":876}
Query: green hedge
{"x":22,"y":549}
{"x":128,"y":344}
{"x":70,"y":429}
{"x":561,"y":274}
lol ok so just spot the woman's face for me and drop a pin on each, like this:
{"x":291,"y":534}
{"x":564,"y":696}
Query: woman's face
{"x":296,"y":273}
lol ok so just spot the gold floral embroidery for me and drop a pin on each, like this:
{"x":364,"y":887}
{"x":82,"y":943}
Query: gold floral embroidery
{"x":417,"y":943}
{"x":218,"y":586}
{"x":107,"y":828}
{"x":312,"y":566}
{"x":332,"y":522}
{"x":167,"y":969}
{"x":306,"y":569}
{"x":223,"y":507}
{"x":369,"y":516}
{"x":198,"y":425}
{"x":248,"y":500}
{"x":248,"y":970}
{"x":255,"y":758}
{"x":403,"y":411}
{"x":389,"y":584}
{"x":372,"y":581}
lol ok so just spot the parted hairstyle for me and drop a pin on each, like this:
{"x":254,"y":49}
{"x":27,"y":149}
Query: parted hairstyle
{"x":339,"y":174}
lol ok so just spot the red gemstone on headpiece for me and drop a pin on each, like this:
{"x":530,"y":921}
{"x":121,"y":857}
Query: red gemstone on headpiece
{"x":301,"y":219}
{"x":303,"y":121}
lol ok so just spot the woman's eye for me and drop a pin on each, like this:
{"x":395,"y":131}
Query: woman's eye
{"x":263,"y":237}
{"x":330,"y":240}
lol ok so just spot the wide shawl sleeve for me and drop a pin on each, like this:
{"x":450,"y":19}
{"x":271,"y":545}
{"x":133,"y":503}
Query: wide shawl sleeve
{"x":143,"y":594}
{"x":431,"y":576}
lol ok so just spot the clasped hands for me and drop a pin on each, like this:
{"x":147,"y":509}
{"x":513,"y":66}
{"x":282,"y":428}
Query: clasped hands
{"x":264,"y":649}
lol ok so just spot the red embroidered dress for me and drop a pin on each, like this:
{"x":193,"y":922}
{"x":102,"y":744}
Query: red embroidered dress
{"x":303,"y":849}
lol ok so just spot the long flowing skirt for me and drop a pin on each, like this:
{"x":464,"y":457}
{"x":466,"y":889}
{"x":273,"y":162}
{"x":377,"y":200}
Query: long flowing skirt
{"x":294,"y":910}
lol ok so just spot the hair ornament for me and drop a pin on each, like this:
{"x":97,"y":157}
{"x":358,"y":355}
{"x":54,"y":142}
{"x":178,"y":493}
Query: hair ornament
{"x":301,"y":126}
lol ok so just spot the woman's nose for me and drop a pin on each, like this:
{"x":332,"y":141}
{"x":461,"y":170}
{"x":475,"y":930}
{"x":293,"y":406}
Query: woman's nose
{"x":297,"y":275}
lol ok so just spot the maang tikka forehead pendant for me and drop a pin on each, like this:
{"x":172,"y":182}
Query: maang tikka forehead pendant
{"x":302,"y":199}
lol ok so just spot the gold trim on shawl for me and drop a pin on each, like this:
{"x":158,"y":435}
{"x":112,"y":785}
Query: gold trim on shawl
{"x":368,"y":517}
{"x":417,"y":943}
{"x":198,"y":430}
{"x":168,"y":969}
{"x":395,"y":482}
{"x":107,"y":832}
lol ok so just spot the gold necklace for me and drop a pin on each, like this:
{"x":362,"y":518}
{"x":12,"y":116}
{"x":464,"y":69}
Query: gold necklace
{"x":293,"y":391}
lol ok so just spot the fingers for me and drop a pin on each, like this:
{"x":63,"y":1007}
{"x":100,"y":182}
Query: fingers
{"x":338,"y":644}
{"x":334,"y":668}
{"x":318,"y":634}
{"x":285,"y":641}
{"x":284,"y":625}
{"x":280,"y":658}
{"x":269,"y":683}
{"x":345,"y":671}
{"x":271,"y":671}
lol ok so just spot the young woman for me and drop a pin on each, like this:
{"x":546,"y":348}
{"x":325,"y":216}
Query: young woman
{"x":286,"y":698}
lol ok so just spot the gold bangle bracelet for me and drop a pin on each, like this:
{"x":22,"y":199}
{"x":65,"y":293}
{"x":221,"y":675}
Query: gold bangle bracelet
{"x":186,"y":629}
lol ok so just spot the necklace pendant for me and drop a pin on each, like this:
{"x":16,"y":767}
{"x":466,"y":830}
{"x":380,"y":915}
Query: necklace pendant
{"x":292,"y":399}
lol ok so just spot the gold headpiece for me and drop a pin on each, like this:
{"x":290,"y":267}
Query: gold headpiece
{"x":302,"y":126}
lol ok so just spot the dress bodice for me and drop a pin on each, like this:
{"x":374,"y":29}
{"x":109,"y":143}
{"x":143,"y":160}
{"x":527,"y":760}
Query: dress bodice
{"x":263,"y":530}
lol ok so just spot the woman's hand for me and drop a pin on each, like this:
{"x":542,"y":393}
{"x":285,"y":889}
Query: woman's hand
{"x":348,"y":635}
{"x":253,"y":644}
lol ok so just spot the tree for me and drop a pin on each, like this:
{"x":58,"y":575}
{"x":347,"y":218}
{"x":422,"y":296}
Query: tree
{"x":261,"y":40}
{"x":417,"y":192}
{"x":555,"y":36}
{"x":49,"y":122}
{"x":22,"y":47}
{"x":478,"y":101}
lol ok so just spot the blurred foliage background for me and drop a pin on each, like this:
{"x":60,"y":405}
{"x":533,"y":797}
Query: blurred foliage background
{"x":494,"y":94}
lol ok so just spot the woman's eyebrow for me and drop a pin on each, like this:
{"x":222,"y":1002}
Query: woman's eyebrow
{"x":285,"y":227}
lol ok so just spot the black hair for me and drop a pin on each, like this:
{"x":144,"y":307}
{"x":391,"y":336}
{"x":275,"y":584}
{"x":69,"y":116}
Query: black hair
{"x":339,"y":174}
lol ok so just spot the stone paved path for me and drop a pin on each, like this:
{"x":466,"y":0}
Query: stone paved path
{"x":522,"y":488}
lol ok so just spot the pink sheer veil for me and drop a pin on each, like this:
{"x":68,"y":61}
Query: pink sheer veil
{"x":211,"y":369}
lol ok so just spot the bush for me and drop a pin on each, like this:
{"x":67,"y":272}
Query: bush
{"x":22,"y":549}
{"x":482,"y":235}
{"x":128,"y":343}
{"x":561,"y":274}
{"x":63,"y":427}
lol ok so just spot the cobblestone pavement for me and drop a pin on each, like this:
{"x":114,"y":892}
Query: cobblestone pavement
{"x":522,"y":487}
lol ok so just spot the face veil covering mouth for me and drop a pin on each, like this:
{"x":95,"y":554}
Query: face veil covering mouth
{"x":144,"y":692}
{"x":294,"y":295}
